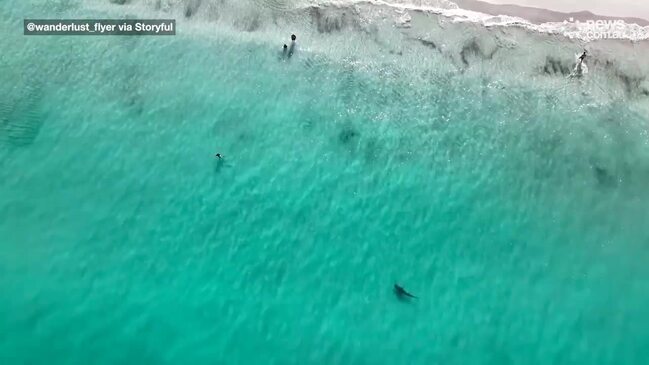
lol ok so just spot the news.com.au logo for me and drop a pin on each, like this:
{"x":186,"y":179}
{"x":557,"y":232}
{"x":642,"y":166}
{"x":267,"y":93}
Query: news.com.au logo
{"x":594,"y":29}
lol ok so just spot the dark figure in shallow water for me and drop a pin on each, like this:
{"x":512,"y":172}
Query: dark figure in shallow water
{"x":285,"y":50}
{"x":402,"y":293}
{"x":291,"y":50}
{"x":583,"y":56}
{"x":219,"y":156}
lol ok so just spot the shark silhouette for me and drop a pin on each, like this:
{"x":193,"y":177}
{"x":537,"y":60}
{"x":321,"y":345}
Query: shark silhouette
{"x":402,"y":293}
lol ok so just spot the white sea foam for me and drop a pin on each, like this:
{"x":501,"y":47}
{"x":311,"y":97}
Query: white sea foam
{"x":581,"y":30}
{"x":584,"y":30}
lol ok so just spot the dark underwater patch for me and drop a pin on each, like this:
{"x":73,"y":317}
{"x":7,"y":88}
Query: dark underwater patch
{"x":604,"y":177}
{"x":21,"y":121}
{"x":554,"y":66}
{"x":348,"y":134}
{"x":427,"y":43}
{"x":473,"y":49}
{"x":192,"y":7}
{"x":631,"y":84}
{"x":326,"y":23}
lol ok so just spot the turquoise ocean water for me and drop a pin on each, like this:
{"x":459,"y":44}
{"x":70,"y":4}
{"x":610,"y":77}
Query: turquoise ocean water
{"x":518,"y":216}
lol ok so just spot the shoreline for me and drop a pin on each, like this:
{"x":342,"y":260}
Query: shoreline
{"x":539,"y":15}
{"x":371,"y":34}
{"x":585,"y":26}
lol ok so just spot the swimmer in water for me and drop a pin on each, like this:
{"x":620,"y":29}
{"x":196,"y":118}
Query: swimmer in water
{"x":219,"y":156}
{"x":285,"y":50}
{"x":291,"y":50}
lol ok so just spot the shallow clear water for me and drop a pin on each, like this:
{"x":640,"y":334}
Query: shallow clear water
{"x":517,"y":216}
